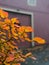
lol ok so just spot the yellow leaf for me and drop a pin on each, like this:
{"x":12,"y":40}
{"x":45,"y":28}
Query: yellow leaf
{"x":25,"y":29}
{"x":2,"y":33}
{"x":15,"y":37}
{"x":5,"y":44}
{"x":3,"y":40}
{"x":39,"y":40}
{"x":27,"y":39}
{"x":25,"y":34}
{"x":28,"y":29}
{"x":6,"y":63}
{"x":14,"y":32}
{"x":10,"y":45}
{"x":15,"y":20}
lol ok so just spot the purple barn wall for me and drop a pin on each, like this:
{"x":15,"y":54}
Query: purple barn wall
{"x":41,"y":14}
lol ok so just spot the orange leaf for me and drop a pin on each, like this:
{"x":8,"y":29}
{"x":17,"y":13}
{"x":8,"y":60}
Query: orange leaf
{"x":28,"y":29}
{"x":21,"y":29}
{"x":3,"y":14}
{"x":10,"y":58}
{"x":14,"y":32}
{"x":0,"y":62}
{"x":13,"y":42}
{"x":25,"y":29}
{"x":25,"y":35}
{"x":39,"y":40}
{"x":1,"y":23}
{"x":6,"y":27}
{"x":7,"y":21}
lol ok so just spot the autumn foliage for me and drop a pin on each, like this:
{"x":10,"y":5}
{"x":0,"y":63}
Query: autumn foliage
{"x":9,"y":30}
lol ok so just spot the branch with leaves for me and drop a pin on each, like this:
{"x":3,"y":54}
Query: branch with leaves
{"x":9,"y":30}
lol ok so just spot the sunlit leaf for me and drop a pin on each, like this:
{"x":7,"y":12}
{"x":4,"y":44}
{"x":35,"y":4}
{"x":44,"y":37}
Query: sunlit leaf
{"x":10,"y":45}
{"x":3,"y":14}
{"x":25,"y":34}
{"x":1,"y":23}
{"x":14,"y":32}
{"x":2,"y":33}
{"x":15,"y":20}
{"x":15,"y":37}
{"x":7,"y":21}
{"x":21,"y":29}
{"x":28,"y":29}
{"x":25,"y":29}
{"x":39,"y":40}
{"x":27,"y":39}
{"x":6,"y":27}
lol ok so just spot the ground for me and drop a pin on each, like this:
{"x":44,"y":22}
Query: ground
{"x":41,"y":53}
